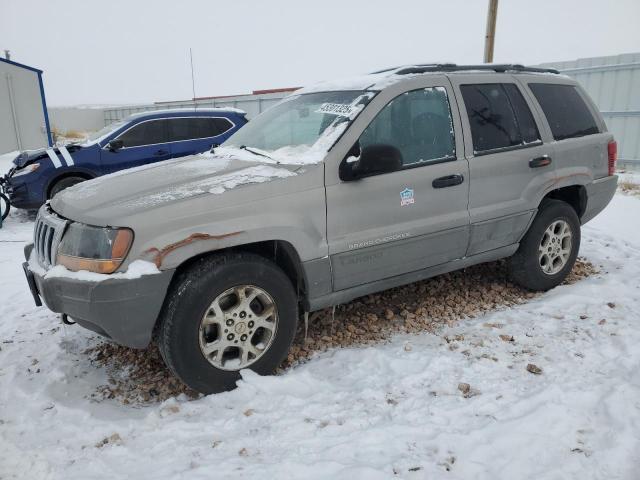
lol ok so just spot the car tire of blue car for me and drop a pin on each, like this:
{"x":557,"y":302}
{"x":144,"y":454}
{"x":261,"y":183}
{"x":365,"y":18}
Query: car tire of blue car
{"x":189,"y":300}
{"x":5,"y":206}
{"x":64,"y":183}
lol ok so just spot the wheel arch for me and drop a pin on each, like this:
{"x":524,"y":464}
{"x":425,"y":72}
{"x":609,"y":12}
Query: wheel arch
{"x":87,"y":175}
{"x":280,"y":252}
{"x":574,"y":195}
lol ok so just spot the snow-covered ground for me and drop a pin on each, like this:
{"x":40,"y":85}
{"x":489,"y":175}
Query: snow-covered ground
{"x":388,"y":411}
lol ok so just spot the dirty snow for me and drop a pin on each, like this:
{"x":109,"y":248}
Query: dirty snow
{"x":6,"y":161}
{"x":290,"y":154}
{"x":397,"y":410}
{"x":216,"y":185}
{"x":358,"y":82}
{"x":136,"y":269}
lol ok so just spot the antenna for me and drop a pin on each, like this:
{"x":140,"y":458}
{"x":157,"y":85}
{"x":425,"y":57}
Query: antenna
{"x":193,"y":81}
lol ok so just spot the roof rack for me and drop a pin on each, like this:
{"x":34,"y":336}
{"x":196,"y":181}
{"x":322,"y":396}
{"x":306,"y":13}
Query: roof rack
{"x":452,"y":67}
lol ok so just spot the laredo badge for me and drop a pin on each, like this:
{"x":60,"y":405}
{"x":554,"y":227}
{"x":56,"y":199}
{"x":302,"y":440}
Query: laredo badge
{"x":406,"y":197}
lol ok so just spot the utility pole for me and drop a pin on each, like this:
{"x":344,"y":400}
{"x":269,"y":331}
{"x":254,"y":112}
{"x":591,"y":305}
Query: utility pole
{"x":193,"y":80}
{"x":490,"y":37}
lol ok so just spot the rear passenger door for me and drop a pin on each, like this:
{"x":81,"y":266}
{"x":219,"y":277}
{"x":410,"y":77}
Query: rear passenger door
{"x":144,"y":142}
{"x":190,"y":135}
{"x":510,"y":159}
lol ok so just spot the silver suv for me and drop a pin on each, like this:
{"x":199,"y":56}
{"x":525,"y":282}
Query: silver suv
{"x":342,"y":189}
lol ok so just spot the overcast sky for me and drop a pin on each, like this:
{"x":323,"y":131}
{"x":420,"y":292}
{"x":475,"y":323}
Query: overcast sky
{"x":126,"y":51}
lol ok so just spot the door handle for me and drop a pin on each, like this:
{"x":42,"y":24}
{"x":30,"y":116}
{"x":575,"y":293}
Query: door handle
{"x":538,"y":162}
{"x":161,"y":152}
{"x":448,"y":181}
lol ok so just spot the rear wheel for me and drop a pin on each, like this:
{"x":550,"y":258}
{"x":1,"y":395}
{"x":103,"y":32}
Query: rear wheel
{"x":64,"y":183}
{"x":224,"y":314}
{"x":549,"y":249}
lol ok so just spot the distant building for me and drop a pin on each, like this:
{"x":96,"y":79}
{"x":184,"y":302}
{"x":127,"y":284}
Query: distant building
{"x":253,"y":103}
{"x":24,"y":121}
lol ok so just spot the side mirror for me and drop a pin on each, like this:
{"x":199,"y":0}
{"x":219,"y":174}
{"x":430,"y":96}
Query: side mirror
{"x":115,"y":145}
{"x":374,"y":160}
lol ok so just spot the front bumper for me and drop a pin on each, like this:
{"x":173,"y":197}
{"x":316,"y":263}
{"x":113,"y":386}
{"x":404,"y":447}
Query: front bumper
{"x":124,"y":310}
{"x":21,"y":196}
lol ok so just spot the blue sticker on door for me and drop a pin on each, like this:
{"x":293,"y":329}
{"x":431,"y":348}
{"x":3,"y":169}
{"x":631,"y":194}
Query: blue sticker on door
{"x":406,"y":197}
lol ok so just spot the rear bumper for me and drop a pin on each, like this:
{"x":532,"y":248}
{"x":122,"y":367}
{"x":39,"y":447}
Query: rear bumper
{"x":124,"y":310}
{"x":599,"y":194}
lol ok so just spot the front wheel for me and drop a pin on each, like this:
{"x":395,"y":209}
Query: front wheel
{"x":226,"y":313}
{"x":5,"y":205}
{"x":549,"y":249}
{"x":63,"y":184}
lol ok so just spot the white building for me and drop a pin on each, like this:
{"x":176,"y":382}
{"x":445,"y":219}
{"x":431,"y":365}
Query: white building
{"x":24,"y":121}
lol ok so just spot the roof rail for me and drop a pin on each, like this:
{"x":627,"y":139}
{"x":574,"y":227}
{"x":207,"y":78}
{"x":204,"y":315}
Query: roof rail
{"x":452,"y":67}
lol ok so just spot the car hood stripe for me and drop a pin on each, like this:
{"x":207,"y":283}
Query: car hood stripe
{"x":66,"y":155}
{"x":54,"y":158}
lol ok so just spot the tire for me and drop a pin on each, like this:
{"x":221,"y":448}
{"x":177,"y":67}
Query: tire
{"x":528,"y":267}
{"x":5,"y":206}
{"x":184,"y":332}
{"x":64,"y":183}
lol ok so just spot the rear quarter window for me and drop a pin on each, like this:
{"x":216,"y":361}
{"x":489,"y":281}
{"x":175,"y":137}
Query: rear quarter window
{"x":192,"y":128}
{"x":566,"y":111}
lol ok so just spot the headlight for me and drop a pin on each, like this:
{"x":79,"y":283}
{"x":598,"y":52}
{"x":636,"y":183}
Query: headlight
{"x":28,"y":169}
{"x":96,"y":249}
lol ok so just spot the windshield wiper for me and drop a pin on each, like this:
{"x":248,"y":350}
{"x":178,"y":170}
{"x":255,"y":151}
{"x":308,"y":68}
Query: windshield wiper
{"x":244,"y":147}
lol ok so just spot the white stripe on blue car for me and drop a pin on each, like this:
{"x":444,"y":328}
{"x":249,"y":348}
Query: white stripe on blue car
{"x":54,"y":158}
{"x":66,"y":156}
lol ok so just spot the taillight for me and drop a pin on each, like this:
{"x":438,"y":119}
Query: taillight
{"x":612,"y":150}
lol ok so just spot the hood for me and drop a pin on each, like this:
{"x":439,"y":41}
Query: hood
{"x":139,"y":189}
{"x":30,"y":156}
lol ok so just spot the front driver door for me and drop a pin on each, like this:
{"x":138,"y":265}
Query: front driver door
{"x":395,"y":223}
{"x":144,"y":142}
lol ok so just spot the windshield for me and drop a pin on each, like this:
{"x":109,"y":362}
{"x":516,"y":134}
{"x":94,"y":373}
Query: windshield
{"x":300,"y":129}
{"x":105,"y":131}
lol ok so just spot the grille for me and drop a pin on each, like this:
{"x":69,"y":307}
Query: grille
{"x":47,"y":234}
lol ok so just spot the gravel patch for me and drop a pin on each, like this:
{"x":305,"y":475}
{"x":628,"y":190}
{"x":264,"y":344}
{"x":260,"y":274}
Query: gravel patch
{"x":140,"y":376}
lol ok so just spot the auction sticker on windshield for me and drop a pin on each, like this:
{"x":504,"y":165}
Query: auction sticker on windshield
{"x":336,"y":109}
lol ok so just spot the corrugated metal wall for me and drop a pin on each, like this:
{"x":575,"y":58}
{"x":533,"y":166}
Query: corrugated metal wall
{"x":614,"y":85}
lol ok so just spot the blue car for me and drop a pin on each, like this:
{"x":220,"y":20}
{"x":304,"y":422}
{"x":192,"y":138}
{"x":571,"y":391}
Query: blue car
{"x":136,"y":140}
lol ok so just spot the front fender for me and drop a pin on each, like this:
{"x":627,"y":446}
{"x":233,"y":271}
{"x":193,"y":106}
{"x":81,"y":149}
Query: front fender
{"x":298,"y":218}
{"x":171,"y":250}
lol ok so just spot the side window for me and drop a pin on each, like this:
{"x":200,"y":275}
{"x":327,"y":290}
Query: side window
{"x":499,"y":116}
{"x":145,"y":133}
{"x":197,"y":127}
{"x":222,"y":125}
{"x":524,"y":117}
{"x":418,"y":123}
{"x":565,"y":110}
